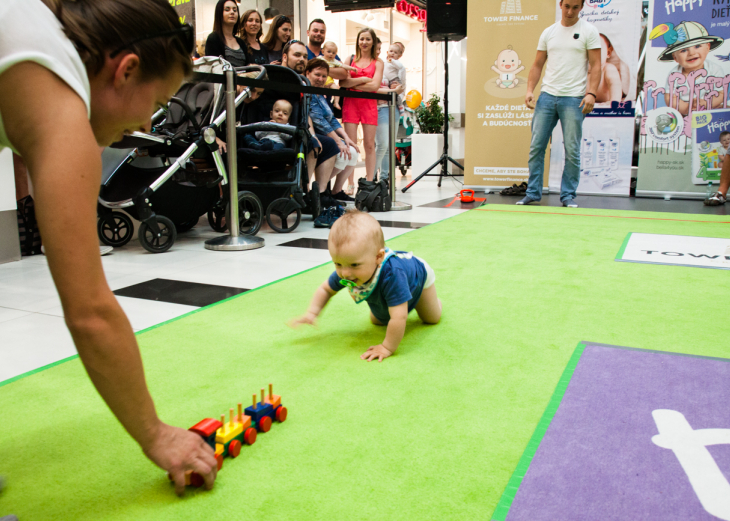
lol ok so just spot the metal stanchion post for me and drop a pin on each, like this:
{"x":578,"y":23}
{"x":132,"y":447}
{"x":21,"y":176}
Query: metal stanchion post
{"x":234,"y":241}
{"x":396,"y":205}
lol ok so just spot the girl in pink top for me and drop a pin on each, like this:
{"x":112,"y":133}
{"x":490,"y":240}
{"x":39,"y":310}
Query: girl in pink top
{"x":366,"y":78}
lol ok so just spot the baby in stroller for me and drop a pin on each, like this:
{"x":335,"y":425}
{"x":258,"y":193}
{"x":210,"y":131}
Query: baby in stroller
{"x":271,"y":140}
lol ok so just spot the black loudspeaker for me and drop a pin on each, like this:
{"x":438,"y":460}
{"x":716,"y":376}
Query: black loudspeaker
{"x":446,"y":20}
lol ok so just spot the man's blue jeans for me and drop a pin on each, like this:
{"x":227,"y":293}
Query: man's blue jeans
{"x":548,"y":110}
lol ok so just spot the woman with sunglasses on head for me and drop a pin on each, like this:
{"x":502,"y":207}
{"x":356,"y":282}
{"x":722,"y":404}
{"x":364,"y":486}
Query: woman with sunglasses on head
{"x":89,"y":73}
{"x":358,"y":111}
{"x":251,"y":32}
{"x":275,"y":40}
{"x":224,"y":40}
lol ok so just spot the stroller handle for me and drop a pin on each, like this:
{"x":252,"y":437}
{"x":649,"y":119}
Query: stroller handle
{"x":268,"y":125}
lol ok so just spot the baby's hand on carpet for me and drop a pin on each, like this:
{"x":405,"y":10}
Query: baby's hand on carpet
{"x":176,"y":450}
{"x":307,"y":318}
{"x":379,"y":351}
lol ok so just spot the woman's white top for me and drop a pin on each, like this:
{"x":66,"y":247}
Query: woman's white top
{"x":29,"y":31}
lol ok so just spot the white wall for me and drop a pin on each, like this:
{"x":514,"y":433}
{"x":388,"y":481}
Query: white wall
{"x":7,"y":181}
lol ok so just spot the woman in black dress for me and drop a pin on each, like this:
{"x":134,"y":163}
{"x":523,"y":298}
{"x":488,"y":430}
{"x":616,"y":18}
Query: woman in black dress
{"x":223,"y":41}
{"x":275,"y":40}
{"x":251,"y":32}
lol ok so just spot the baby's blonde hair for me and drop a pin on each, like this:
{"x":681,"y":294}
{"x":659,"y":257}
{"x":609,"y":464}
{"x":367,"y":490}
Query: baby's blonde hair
{"x":332,"y":44}
{"x":356,"y":226}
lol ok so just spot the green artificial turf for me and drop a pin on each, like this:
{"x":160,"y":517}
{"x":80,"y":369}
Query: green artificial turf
{"x":434,"y":432}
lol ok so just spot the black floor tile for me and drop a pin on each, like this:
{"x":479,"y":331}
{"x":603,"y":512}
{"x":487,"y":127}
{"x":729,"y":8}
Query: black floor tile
{"x":316,"y":244}
{"x":179,"y":292}
{"x":400,"y":224}
{"x":644,"y":204}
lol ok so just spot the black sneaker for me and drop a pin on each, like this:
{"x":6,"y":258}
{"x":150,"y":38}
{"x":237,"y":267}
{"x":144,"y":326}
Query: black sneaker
{"x":342,"y":196}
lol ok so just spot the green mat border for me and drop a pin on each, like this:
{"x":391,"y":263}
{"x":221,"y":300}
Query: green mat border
{"x":508,"y":496}
{"x":620,"y":254}
{"x":73,"y":357}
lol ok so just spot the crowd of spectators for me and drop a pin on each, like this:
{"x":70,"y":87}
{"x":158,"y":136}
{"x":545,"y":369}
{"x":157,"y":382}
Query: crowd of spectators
{"x":334,"y":122}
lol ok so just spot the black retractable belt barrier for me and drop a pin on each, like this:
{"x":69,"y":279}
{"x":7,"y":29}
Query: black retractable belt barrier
{"x":286,"y":87}
{"x":267,"y":84}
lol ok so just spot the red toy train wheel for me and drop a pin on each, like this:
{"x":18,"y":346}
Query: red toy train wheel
{"x":250,"y":436}
{"x":281,"y":414}
{"x":264,"y":424}
{"x":219,"y":459}
{"x":196,"y":480}
{"x":234,"y":448}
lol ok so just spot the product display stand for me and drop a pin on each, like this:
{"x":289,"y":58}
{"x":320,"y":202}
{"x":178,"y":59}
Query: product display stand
{"x":444,"y":159}
{"x":234,"y":241}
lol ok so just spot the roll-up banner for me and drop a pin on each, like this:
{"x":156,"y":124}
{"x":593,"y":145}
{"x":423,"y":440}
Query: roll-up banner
{"x":185,"y":10}
{"x":684,"y":130}
{"x":504,"y":35}
{"x":608,"y":131}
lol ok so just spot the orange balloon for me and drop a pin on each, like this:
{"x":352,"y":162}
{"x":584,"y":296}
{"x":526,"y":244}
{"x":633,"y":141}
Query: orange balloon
{"x":413,"y":99}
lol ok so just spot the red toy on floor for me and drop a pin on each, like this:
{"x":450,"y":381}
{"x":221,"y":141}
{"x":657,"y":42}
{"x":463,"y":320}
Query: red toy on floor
{"x":226,"y":438}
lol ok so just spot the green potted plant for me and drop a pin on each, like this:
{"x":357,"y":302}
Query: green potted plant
{"x":428,"y":145}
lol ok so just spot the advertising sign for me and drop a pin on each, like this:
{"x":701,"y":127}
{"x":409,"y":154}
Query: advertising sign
{"x":677,"y":250}
{"x":185,"y":10}
{"x":497,"y":120}
{"x":608,"y":131}
{"x":686,"y":72}
{"x":711,"y":140}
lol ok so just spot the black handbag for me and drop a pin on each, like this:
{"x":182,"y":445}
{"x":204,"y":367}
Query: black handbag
{"x":373,"y":196}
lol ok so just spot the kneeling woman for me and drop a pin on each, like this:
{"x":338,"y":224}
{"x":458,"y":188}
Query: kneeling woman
{"x":87,"y":74}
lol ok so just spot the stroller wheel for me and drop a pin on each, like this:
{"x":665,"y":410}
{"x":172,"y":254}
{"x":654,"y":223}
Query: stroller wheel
{"x":186,"y":227}
{"x":279,"y":212}
{"x":403,"y":170}
{"x":250,"y":213}
{"x":115,"y":229}
{"x":217,"y":217}
{"x":154,"y":243}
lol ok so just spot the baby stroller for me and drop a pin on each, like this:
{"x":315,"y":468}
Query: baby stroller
{"x":403,"y":140}
{"x":173,"y":175}
{"x":279,"y":177}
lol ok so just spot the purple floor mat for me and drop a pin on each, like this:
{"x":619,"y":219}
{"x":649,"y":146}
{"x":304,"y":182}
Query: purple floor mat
{"x":601,"y":458}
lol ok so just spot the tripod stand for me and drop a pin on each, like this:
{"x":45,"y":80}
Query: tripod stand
{"x":444,"y":159}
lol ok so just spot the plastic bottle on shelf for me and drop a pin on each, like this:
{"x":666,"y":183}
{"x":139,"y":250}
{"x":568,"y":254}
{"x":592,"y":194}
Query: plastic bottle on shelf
{"x":710,"y":190}
{"x":613,"y":152}
{"x":586,"y":155}
{"x":601,"y":152}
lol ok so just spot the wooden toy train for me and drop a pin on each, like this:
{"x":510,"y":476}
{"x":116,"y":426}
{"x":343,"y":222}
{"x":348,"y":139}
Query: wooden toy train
{"x":226,"y":438}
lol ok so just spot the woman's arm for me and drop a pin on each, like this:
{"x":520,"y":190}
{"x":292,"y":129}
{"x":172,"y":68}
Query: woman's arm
{"x":351,"y":83}
{"x":374,"y":84}
{"x":214,"y":46}
{"x":47,"y":123}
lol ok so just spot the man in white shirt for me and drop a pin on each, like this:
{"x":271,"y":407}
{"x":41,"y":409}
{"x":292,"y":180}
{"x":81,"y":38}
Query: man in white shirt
{"x":567,"y":47}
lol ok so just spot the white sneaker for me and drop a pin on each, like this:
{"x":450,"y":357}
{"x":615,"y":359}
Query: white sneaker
{"x":570,"y":203}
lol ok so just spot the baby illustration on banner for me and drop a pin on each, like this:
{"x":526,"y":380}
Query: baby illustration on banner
{"x":507,"y":65}
{"x":697,"y":76}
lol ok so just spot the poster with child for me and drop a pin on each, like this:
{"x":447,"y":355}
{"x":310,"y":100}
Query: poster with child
{"x":711,"y":141}
{"x":608,"y":131}
{"x":686,"y":72}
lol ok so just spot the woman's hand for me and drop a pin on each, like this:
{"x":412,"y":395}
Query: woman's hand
{"x":344,"y":149}
{"x":221,"y":144}
{"x":350,"y":143}
{"x":176,"y":450}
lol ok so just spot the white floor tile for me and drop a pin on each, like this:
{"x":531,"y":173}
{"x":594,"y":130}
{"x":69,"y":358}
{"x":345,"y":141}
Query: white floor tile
{"x":31,"y":342}
{"x":32,"y":330}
